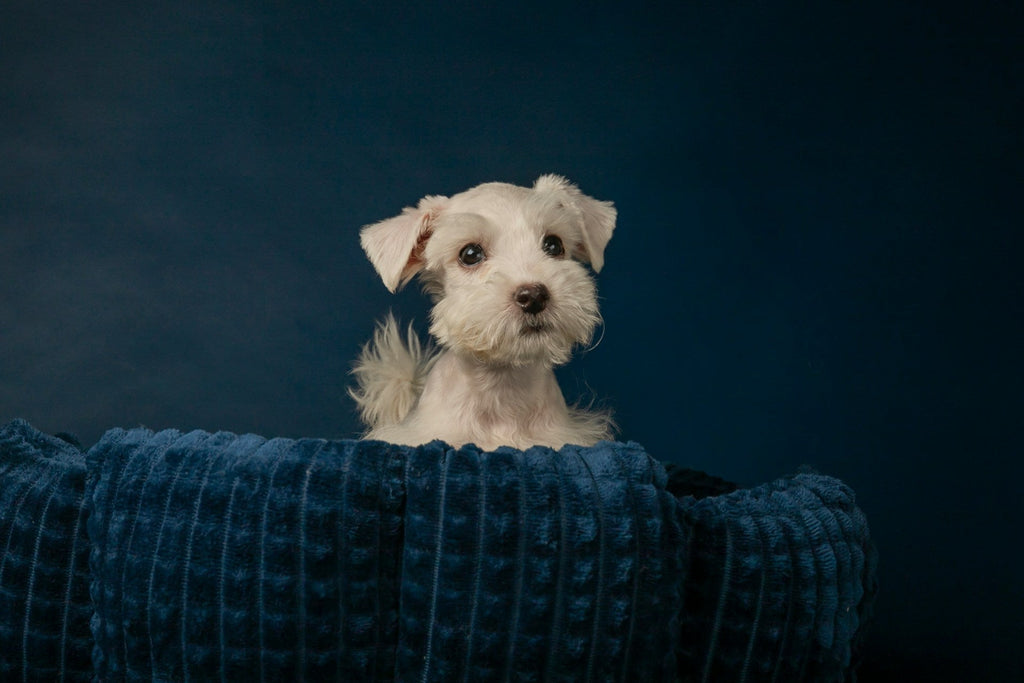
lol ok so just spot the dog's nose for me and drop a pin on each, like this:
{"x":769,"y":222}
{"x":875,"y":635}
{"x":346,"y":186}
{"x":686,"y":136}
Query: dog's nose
{"x":532,"y":298}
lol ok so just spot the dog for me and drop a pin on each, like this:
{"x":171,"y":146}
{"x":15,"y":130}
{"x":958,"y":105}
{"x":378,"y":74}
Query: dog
{"x":504,"y":266}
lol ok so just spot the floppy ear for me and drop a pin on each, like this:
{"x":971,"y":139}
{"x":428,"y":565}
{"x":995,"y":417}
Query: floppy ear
{"x":597,"y":218}
{"x":395,"y":246}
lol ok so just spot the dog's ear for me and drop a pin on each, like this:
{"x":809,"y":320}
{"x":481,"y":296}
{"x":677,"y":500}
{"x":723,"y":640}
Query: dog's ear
{"x":597,"y":218}
{"x":395,"y":246}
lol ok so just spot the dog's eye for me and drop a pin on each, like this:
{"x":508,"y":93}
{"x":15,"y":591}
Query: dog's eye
{"x":471,"y":254}
{"x":552,"y":246}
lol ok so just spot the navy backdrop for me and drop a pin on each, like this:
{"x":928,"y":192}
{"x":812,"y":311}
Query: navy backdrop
{"x":816,"y":259}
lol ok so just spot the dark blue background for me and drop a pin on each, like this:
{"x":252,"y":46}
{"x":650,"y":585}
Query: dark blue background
{"x":817,"y":256}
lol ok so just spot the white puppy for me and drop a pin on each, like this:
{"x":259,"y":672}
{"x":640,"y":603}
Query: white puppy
{"x":511,"y":300}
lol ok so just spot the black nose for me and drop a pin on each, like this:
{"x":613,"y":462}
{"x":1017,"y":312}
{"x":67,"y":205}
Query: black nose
{"x":532,"y":298}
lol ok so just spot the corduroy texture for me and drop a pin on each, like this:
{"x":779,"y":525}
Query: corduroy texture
{"x":781,"y":579}
{"x":216,"y":556}
{"x":540,"y":565}
{"x":44,"y":580}
{"x":229,"y":557}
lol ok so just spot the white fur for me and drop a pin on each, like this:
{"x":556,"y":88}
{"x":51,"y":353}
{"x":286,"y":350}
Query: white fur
{"x":491,"y":383}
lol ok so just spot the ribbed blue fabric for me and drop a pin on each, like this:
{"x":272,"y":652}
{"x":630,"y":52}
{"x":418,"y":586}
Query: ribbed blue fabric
{"x":781,"y":578}
{"x":229,"y":557}
{"x":44,"y":580}
{"x":539,"y":565}
{"x":224,"y":557}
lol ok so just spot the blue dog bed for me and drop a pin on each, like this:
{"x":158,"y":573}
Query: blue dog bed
{"x":202,"y":556}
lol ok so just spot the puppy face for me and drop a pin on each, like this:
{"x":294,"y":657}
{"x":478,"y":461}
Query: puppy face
{"x":503,"y":265}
